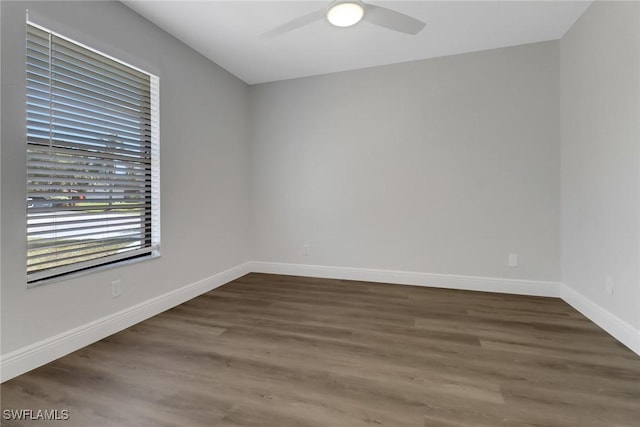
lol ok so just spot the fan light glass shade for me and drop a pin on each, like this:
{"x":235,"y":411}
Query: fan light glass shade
{"x":345,"y":14}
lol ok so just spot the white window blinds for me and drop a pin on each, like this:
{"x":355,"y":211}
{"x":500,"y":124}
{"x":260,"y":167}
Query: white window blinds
{"x":92,"y":158}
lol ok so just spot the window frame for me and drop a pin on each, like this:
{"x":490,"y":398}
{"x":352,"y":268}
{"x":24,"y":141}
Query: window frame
{"x":148,"y":210}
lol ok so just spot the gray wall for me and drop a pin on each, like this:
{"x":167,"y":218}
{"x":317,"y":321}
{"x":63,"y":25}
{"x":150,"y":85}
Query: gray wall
{"x":204,"y":161}
{"x":600,"y":72}
{"x":440,"y":166}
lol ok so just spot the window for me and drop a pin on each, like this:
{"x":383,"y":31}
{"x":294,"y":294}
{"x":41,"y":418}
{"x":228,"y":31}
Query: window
{"x":92,"y":158}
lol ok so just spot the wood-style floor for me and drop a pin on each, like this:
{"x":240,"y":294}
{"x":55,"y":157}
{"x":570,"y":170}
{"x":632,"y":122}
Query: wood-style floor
{"x":278,"y":351}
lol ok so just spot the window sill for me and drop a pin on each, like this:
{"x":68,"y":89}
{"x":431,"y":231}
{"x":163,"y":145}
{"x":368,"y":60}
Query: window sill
{"x":91,"y":270}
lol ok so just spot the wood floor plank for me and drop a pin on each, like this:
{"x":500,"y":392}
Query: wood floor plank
{"x":272,"y":350}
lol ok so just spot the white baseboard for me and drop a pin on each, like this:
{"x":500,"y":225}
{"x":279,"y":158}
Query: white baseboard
{"x":616,"y":327}
{"x":45,"y":351}
{"x":450,"y":281}
{"x":42,"y":352}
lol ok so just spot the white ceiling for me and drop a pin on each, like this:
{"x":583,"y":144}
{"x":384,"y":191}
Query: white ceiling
{"x":229,"y":33}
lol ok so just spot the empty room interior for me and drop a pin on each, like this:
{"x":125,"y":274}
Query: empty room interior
{"x":306,"y":213}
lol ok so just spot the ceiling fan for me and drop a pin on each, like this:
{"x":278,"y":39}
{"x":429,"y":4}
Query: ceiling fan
{"x":345,"y":13}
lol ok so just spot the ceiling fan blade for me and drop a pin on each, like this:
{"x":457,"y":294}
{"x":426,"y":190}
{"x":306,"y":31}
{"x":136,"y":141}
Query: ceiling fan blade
{"x":295,"y":24}
{"x":392,"y":20}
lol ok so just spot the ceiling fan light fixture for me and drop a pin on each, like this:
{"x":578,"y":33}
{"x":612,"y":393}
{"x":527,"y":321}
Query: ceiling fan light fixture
{"x":345,"y":13}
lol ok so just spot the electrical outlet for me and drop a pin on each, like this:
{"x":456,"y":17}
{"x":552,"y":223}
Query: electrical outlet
{"x":306,"y":251}
{"x":512,"y":260}
{"x":608,"y":285}
{"x":116,"y":288}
